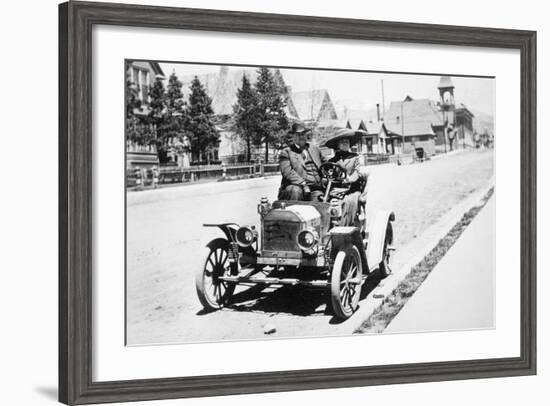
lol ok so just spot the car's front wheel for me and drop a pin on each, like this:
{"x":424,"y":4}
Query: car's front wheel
{"x":345,"y":283}
{"x":213,"y":292}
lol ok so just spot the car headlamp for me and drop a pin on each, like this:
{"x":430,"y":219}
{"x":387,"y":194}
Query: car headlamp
{"x":246,"y":236}
{"x":307,"y":240}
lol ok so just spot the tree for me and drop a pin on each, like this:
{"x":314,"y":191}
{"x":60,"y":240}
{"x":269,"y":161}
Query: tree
{"x":272,"y":120}
{"x":157,"y":93}
{"x":132,"y":99}
{"x":174,"y":95}
{"x":199,"y":122}
{"x":167,"y":113}
{"x":246,"y":117}
{"x":173,"y":113}
{"x":137,"y":131}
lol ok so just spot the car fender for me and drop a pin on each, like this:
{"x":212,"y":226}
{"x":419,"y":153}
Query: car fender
{"x":342,"y":237}
{"x":229,"y":229}
{"x":377,"y":234}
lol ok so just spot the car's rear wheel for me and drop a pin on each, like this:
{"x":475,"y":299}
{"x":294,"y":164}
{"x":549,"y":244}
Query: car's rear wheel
{"x":213,"y":292}
{"x":385,"y":269}
{"x":345,"y":283}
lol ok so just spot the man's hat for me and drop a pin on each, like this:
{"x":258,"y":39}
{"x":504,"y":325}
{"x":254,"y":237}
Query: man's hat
{"x":298,"y":128}
{"x":354,"y":137}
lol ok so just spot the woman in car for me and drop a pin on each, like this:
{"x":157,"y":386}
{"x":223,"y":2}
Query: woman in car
{"x":342,"y":142}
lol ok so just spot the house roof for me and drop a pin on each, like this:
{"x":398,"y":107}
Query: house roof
{"x":414,"y":117}
{"x":312,"y":105}
{"x":156,"y":68}
{"x":375,"y":127}
{"x":463,"y":108}
{"x":411,"y":129}
{"x":222,"y":87}
{"x":356,"y":124}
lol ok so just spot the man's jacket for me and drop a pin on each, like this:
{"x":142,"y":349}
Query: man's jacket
{"x":293,"y":164}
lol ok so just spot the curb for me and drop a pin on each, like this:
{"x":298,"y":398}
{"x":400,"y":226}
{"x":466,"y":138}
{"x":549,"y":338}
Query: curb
{"x":430,"y":238}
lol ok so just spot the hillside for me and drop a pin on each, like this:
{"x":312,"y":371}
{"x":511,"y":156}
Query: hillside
{"x":483,"y":121}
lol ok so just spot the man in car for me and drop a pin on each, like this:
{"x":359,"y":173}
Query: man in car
{"x":299,"y":164}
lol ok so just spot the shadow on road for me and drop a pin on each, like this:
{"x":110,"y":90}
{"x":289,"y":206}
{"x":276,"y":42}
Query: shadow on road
{"x":294,"y":300}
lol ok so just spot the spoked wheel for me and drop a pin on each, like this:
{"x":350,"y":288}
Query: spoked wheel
{"x":385,"y":269}
{"x":212,"y":291}
{"x":345,"y":283}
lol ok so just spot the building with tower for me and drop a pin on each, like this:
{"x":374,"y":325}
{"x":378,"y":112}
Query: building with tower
{"x":458,"y":121}
{"x":432,"y":127}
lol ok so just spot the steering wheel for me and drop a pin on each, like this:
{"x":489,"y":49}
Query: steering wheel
{"x":332,"y":171}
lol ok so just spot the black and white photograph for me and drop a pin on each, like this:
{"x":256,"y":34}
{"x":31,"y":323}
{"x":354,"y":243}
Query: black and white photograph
{"x":275,"y":202}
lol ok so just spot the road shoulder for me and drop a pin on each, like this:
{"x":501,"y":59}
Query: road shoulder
{"x":459,"y":292}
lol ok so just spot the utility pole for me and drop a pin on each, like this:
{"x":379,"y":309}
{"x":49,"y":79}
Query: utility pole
{"x":383,"y":100}
{"x":402,"y":129}
{"x":445,"y":127}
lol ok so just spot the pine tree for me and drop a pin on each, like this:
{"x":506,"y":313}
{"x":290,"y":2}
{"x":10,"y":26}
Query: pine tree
{"x":246,"y":119}
{"x":174,"y":95}
{"x":271,"y":104}
{"x":174,"y":112}
{"x":157,"y":93}
{"x":132,"y":99}
{"x":199,"y":122}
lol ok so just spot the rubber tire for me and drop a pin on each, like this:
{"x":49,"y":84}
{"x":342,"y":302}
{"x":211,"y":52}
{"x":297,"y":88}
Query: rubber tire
{"x":340,"y":311}
{"x":384,"y":268}
{"x":208,"y":302}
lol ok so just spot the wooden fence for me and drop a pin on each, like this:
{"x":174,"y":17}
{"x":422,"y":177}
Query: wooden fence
{"x":171,"y":174}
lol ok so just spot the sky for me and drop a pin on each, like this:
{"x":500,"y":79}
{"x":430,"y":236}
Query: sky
{"x":362,"y":90}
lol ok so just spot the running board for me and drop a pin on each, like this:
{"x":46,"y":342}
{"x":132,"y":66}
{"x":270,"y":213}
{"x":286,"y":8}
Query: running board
{"x":275,"y":281}
{"x":243,"y":280}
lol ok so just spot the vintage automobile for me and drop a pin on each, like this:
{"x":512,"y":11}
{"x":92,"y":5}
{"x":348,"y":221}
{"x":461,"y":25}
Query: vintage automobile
{"x":300,"y":243}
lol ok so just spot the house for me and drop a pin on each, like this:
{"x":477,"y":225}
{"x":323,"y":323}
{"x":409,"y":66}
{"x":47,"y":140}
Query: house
{"x":378,"y":139}
{"x":222,"y":87}
{"x":374,"y":133}
{"x":413,"y":124}
{"x":464,"y":126}
{"x":141,"y":75}
{"x":313,"y":107}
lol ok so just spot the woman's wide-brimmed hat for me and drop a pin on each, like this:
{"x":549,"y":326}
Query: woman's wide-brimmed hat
{"x":354,"y":137}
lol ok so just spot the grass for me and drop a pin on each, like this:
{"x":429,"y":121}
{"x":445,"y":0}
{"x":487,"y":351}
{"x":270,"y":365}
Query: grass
{"x":396,"y":300}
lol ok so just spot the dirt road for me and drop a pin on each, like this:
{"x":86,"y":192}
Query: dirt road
{"x":165,"y":238}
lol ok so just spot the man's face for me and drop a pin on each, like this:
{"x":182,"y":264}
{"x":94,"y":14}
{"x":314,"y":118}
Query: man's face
{"x":300,"y":139}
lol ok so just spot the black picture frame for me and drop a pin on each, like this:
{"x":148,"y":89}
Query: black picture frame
{"x":76,"y":20}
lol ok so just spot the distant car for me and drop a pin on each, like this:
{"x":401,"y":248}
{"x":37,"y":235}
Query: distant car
{"x":420,"y":154}
{"x":299,"y":243}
